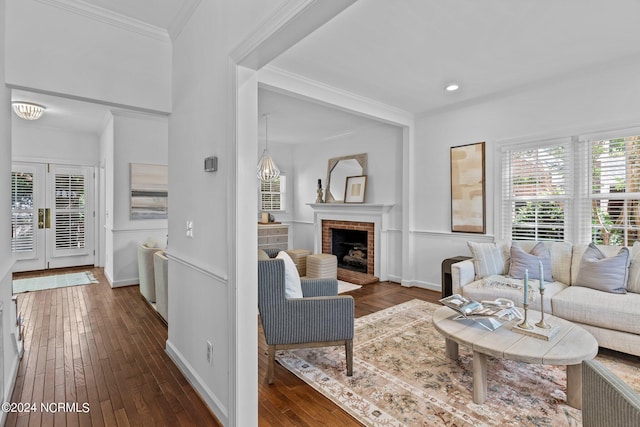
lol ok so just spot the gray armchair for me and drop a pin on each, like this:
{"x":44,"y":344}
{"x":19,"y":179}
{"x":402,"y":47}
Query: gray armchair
{"x":321,"y":318}
{"x":607,"y":401}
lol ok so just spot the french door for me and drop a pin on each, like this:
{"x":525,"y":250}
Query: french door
{"x":52,"y":216}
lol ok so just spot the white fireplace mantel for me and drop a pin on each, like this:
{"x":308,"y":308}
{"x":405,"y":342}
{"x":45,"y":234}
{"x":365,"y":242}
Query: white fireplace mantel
{"x":378,"y":214}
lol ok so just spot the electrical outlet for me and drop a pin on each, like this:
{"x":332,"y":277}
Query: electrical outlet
{"x":209,"y":353}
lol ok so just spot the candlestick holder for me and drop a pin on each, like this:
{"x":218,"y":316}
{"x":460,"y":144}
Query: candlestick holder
{"x":319,"y":196}
{"x":525,"y":323}
{"x":542,"y":324}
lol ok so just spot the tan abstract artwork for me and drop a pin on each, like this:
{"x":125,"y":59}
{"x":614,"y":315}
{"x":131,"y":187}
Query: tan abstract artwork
{"x":468,"y":188}
{"x":149,"y":191}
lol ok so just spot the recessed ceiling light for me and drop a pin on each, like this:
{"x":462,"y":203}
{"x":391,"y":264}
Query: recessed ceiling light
{"x":451,"y":87}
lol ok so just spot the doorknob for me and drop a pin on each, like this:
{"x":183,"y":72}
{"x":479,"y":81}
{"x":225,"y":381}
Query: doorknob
{"x":40,"y":218}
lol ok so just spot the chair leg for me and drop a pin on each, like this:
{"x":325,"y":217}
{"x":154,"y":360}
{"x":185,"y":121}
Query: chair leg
{"x":271,"y":366}
{"x":348,"y":349}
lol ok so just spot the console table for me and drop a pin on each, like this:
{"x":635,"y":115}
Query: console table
{"x":446,"y":273}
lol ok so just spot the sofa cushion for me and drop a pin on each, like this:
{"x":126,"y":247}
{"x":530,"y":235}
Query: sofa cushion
{"x":499,"y":286}
{"x":489,"y":258}
{"x":602,"y":309}
{"x":293,"y":288}
{"x":607,"y":274}
{"x":633,"y":281}
{"x":578,"y":251}
{"x":522,"y":261}
{"x":561,"y":253}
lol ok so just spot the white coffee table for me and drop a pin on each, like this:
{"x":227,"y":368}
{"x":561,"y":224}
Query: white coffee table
{"x":570,"y":346}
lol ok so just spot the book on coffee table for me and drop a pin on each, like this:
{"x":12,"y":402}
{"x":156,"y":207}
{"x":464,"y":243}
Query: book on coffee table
{"x":486,"y":313}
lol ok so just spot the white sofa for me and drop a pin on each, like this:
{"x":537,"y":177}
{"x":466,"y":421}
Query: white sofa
{"x":612,"y":318}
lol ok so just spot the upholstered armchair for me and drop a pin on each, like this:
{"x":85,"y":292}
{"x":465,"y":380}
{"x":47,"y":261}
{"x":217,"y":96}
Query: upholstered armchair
{"x":146,"y":272}
{"x":320,"y":318}
{"x":606,"y":399}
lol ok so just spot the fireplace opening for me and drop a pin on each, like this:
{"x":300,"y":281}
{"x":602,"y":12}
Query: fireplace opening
{"x":350,"y":247}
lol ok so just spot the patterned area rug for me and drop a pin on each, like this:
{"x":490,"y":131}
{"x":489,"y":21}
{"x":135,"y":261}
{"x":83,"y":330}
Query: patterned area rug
{"x":50,"y":282}
{"x":403,"y":378}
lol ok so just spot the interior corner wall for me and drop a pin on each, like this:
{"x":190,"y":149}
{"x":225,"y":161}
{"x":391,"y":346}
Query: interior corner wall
{"x":68,"y":52}
{"x":130,"y":138}
{"x":10,"y":360}
{"x":602,"y":98}
{"x":383,"y":145}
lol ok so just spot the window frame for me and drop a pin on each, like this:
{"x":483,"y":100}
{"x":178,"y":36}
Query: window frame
{"x":282,"y":193}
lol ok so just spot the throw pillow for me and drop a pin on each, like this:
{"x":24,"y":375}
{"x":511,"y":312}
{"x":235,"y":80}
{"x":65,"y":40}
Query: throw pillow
{"x":633,"y":281}
{"x":262,"y":255}
{"x":602,"y":273}
{"x":522,"y":261}
{"x":292,"y":286}
{"x":488,"y":259}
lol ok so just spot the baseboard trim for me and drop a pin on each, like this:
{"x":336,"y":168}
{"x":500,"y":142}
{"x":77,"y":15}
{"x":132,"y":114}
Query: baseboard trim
{"x":209,"y":398}
{"x":420,"y":284}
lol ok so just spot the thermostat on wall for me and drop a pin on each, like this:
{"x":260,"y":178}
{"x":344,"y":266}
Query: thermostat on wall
{"x":211,"y":164}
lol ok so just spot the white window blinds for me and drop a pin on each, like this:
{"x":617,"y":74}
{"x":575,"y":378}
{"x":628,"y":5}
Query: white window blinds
{"x":22,"y":212}
{"x":272,"y":194}
{"x":615,"y":190}
{"x":69,"y":211}
{"x":536,"y":190}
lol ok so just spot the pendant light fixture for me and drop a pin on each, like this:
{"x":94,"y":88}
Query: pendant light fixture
{"x":267,"y":169}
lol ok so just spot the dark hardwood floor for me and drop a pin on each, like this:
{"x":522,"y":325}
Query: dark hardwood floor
{"x":105,"y":347}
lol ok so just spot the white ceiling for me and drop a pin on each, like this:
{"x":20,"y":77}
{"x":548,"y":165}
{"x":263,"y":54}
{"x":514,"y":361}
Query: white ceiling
{"x":403,"y":53}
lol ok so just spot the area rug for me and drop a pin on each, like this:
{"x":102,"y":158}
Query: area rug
{"x":401,"y":377}
{"x":50,"y":282}
{"x":346,"y":287}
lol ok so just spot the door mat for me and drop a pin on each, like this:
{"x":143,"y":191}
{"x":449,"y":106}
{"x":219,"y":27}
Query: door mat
{"x":51,"y":282}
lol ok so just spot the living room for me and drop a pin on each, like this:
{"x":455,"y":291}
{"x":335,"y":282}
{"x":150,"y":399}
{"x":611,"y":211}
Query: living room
{"x":596,"y":95}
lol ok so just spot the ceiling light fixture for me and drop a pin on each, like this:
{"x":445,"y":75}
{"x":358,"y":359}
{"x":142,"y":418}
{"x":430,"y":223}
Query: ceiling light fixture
{"x":267,"y":169}
{"x":452,"y":87}
{"x":28,"y":110}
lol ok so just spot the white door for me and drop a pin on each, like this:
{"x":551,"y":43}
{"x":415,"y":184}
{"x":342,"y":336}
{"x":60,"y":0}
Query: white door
{"x":52,"y":216}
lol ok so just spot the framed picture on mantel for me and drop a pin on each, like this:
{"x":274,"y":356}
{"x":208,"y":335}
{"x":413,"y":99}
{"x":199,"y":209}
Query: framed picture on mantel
{"x":355,"y":189}
{"x":468,"y":189}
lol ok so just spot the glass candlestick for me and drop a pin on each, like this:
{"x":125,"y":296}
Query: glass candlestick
{"x":542,"y":324}
{"x":525,"y":323}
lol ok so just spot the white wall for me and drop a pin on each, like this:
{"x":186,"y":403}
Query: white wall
{"x":600,"y":99}
{"x":9,"y":356}
{"x":31,"y":142}
{"x":130,"y":138}
{"x":70,"y":53}
{"x":200,"y":291}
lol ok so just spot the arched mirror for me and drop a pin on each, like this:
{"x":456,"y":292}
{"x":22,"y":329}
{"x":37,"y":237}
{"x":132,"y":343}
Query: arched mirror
{"x":338,"y":169}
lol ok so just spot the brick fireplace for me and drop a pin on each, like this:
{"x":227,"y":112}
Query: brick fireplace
{"x":367,"y":217}
{"x":354,"y":275}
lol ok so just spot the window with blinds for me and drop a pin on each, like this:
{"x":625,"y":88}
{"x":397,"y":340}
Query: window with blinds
{"x":22,"y":212}
{"x":536,"y":191}
{"x":615,"y":190}
{"x":272,"y":194}
{"x":69,"y":211}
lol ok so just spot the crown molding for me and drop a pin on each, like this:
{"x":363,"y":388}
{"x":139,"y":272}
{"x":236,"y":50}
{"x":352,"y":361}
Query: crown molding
{"x":106,"y":16}
{"x":180,"y":20}
{"x":285,"y":81}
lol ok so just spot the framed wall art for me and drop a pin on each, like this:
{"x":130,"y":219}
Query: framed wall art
{"x":355,"y":189}
{"x":149,"y":191}
{"x":468,"y":189}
